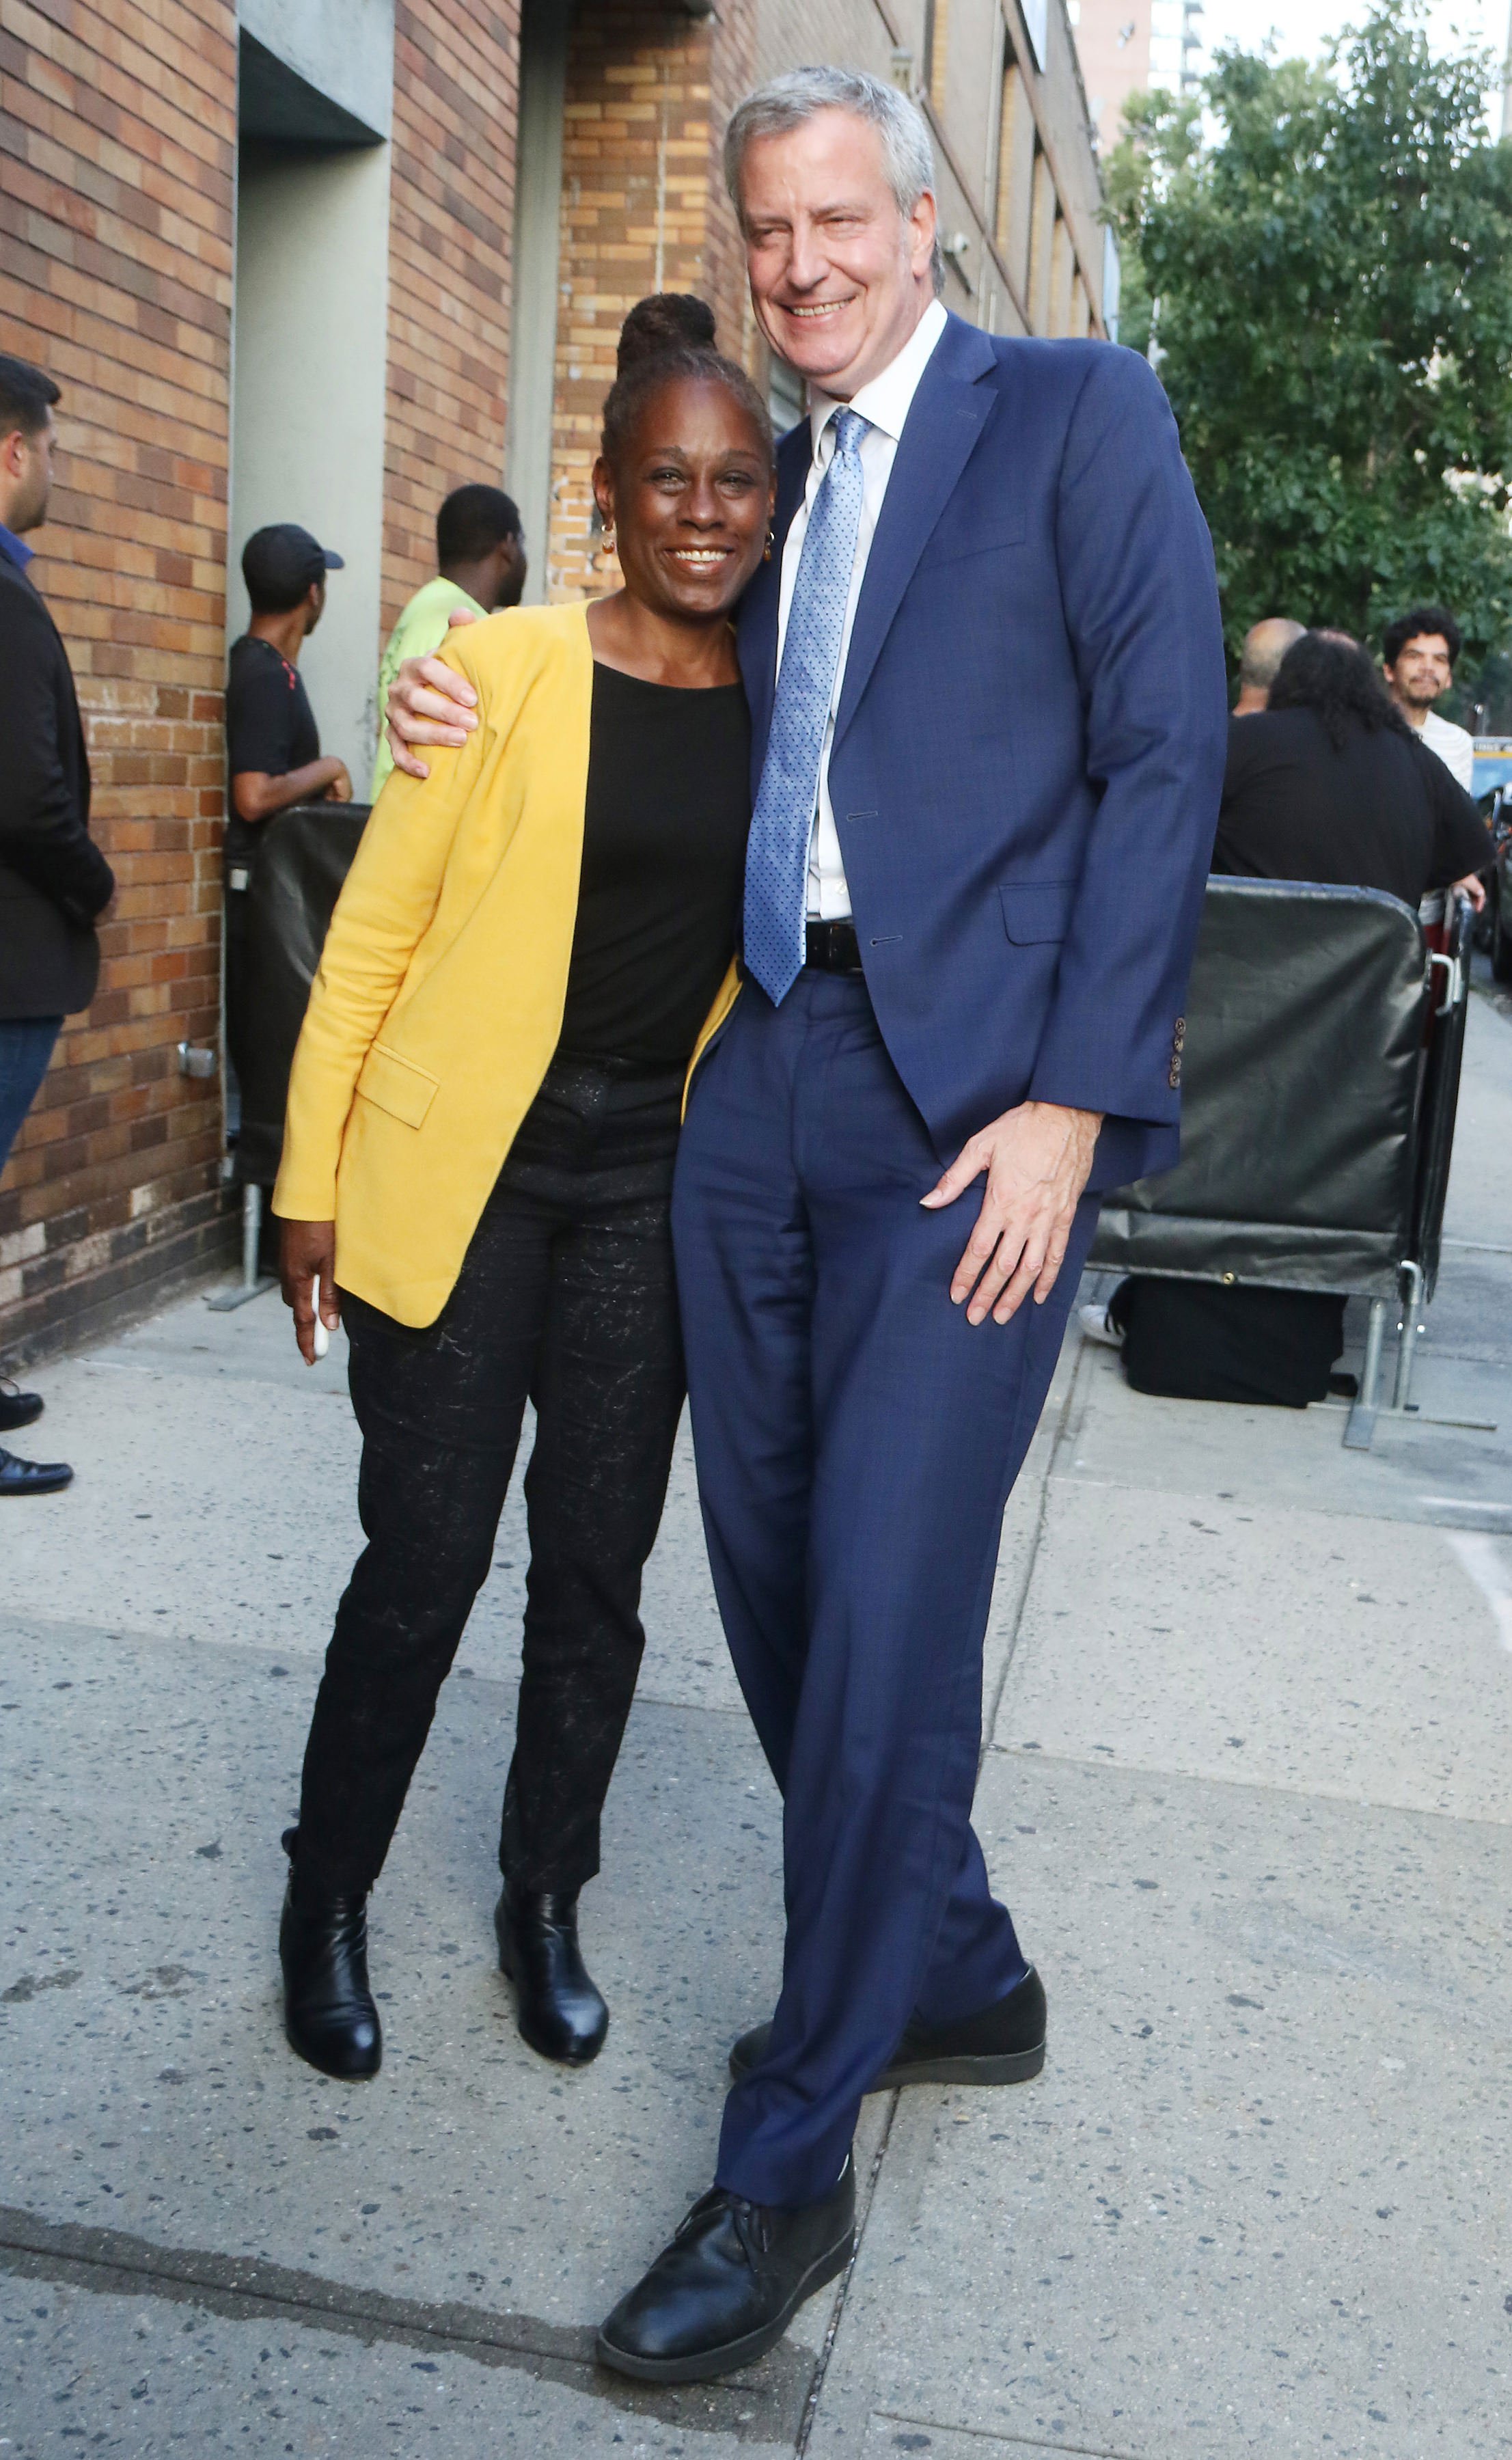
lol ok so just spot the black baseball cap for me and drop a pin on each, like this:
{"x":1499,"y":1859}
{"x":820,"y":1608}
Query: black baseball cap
{"x":280,"y":562}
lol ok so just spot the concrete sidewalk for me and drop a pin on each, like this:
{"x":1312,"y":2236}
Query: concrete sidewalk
{"x":1249,"y":1701}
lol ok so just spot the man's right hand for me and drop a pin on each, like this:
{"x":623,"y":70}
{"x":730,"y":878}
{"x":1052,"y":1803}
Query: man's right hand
{"x":430,"y":703}
{"x":340,"y":789}
{"x":308,"y":1278}
{"x":1472,"y":886}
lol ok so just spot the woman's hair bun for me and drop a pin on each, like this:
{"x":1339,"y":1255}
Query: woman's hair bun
{"x":669,"y":320}
{"x":670,"y":338}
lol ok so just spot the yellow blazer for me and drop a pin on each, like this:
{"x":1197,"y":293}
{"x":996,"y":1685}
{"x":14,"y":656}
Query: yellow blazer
{"x":439,"y":999}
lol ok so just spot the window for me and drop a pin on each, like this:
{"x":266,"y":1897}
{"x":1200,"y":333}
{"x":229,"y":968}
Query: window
{"x":1042,"y":220}
{"x":1062,"y":276}
{"x":1002,"y":198}
{"x":936,"y":41}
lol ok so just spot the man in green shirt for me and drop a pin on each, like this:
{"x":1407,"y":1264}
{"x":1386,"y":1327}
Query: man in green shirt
{"x":480,"y":548}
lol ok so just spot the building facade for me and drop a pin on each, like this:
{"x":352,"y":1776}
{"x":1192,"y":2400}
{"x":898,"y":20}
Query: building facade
{"x":1126,"y":47}
{"x":322,"y":261}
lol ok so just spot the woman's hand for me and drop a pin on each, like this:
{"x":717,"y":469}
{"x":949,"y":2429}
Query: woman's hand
{"x":428,"y":703}
{"x":308,"y":1278}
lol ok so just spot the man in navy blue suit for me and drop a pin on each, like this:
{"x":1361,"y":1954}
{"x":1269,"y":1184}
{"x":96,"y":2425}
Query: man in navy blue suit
{"x":987,"y":683}
{"x":986,"y":678}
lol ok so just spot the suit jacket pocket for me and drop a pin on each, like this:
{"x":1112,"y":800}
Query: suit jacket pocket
{"x":396,"y":1086}
{"x":954,"y":541}
{"x":1036,"y":910}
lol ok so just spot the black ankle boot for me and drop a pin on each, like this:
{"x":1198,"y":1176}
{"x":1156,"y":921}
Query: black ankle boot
{"x":328,"y":2011}
{"x":560,"y":2012}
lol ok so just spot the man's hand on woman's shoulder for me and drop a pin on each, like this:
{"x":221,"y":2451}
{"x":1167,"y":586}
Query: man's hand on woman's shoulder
{"x":430,"y":703}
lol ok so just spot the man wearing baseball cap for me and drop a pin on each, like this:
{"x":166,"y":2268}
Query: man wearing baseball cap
{"x":272,"y":742}
{"x":273,"y":752}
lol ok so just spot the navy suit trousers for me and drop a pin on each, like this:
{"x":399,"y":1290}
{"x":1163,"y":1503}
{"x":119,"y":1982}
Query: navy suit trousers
{"x":856,"y":1441}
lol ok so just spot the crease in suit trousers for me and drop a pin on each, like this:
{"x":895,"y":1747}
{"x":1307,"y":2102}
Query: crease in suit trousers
{"x":856,"y":1440}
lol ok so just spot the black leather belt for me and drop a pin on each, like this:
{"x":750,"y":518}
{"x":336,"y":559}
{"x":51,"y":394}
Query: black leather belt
{"x":832,"y":948}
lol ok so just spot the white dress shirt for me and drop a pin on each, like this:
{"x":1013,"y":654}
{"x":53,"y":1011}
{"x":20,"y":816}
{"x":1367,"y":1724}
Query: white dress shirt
{"x":884,"y":402}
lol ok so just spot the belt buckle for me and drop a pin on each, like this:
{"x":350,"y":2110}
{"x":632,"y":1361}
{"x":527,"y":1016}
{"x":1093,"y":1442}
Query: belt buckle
{"x":831,"y":946}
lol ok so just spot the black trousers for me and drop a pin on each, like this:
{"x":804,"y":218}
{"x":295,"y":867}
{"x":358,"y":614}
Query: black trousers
{"x":566,"y":1295}
{"x":236,"y":987}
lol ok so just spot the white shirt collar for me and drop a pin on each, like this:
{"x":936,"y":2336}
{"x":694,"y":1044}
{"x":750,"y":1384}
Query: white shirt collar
{"x":886,"y":400}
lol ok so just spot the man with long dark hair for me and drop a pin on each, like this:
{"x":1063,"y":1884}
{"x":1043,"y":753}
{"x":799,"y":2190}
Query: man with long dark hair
{"x":1332,"y":784}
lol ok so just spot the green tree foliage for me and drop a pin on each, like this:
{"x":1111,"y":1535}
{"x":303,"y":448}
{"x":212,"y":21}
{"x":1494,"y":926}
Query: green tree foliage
{"x":1328,"y":283}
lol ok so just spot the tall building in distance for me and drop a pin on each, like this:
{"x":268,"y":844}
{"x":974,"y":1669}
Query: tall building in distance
{"x":1126,"y":47}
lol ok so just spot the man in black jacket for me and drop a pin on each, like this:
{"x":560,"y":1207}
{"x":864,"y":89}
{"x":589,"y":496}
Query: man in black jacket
{"x":54,"y":880}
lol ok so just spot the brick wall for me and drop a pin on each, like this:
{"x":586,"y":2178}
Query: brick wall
{"x":450,"y":221}
{"x":117,"y":133}
{"x":644,"y":209}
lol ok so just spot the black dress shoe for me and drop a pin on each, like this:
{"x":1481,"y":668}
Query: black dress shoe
{"x":557,"y":2005}
{"x":1003,"y":2043}
{"x":32,"y":1477}
{"x":17,"y":1409}
{"x":328,"y":2011}
{"x":728,"y":2285}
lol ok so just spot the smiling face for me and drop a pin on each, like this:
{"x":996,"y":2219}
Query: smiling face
{"x":1423,"y":673}
{"x":690,"y":499}
{"x":839,"y":274}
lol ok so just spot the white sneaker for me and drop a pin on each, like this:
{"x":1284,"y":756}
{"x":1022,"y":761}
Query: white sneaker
{"x":1098,"y":1325}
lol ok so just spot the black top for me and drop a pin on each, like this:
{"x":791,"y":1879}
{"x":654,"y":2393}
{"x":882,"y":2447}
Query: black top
{"x":663,"y":859}
{"x":1381,"y":812}
{"x":54,"y":879}
{"x":270,"y":727}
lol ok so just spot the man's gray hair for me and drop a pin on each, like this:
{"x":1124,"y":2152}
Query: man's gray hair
{"x":784,"y":102}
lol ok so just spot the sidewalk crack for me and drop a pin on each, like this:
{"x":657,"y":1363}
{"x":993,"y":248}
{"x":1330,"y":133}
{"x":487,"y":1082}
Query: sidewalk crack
{"x":821,"y":2366}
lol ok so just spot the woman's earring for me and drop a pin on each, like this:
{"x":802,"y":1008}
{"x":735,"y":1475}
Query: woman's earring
{"x":609,"y":539}
{"x":771,"y":541}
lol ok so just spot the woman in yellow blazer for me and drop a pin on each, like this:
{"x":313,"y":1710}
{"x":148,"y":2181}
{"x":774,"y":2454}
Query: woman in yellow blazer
{"x":532,"y":946}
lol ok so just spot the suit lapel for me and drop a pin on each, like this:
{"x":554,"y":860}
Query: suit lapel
{"x":758,"y":614}
{"x":945,"y":422}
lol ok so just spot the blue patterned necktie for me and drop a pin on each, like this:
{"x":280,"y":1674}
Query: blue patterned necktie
{"x":777,"y":856}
